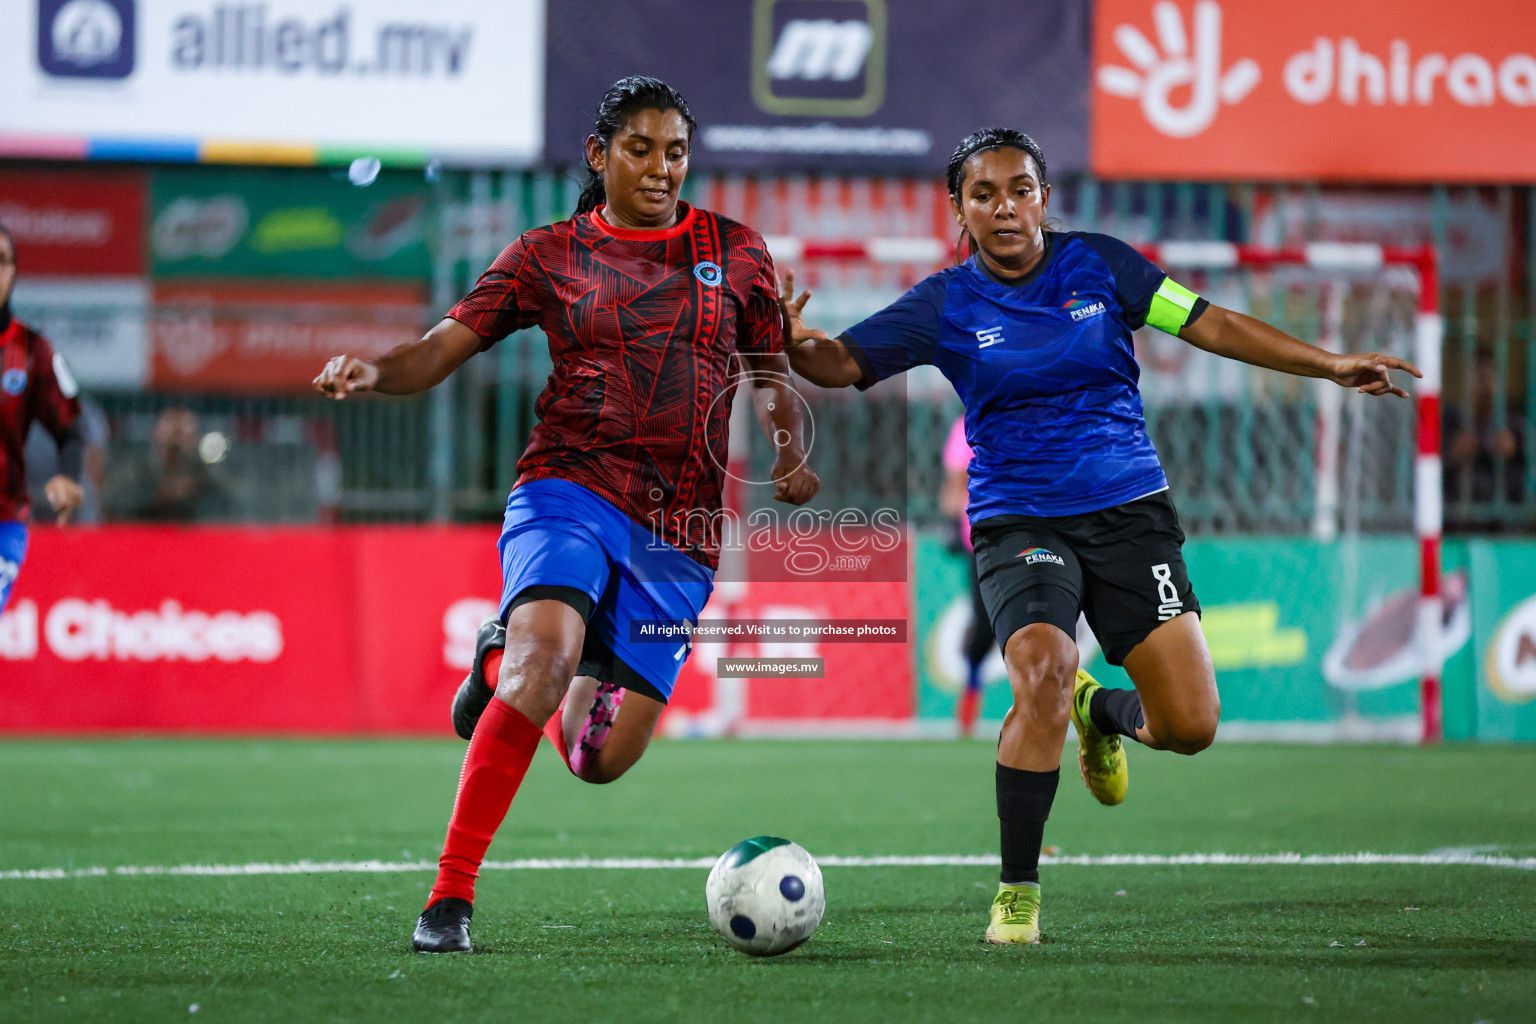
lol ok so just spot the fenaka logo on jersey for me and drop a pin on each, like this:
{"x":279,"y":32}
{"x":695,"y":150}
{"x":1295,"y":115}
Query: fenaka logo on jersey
{"x":86,"y":38}
{"x":819,"y":58}
{"x":13,"y":382}
{"x":1082,"y":309}
{"x":709,"y":274}
{"x":1032,"y":556}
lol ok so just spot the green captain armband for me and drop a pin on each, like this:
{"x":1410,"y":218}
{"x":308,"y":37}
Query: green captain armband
{"x":1171,"y":305}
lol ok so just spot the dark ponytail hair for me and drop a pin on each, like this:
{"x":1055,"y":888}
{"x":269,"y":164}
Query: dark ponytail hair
{"x":623,"y":100}
{"x":987,"y":138}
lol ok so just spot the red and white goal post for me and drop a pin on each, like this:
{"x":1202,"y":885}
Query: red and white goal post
{"x":1324,"y":258}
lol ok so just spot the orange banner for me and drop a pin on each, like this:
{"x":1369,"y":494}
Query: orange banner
{"x":1377,"y":90}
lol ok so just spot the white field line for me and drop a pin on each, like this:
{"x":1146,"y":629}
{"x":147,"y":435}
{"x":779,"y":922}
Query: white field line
{"x":350,"y":867}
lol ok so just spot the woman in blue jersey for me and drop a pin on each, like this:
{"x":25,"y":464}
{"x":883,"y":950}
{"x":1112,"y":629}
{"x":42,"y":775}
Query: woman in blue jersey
{"x":1068,"y":503}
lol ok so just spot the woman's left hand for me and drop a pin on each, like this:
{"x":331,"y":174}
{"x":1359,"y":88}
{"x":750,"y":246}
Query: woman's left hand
{"x":1368,"y":373}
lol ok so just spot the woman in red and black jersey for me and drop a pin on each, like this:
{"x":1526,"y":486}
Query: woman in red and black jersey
{"x":647,"y":303}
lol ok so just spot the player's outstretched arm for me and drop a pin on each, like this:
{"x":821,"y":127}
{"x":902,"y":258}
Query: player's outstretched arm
{"x":1236,"y":336}
{"x":405,"y":369}
{"x":814,"y":356}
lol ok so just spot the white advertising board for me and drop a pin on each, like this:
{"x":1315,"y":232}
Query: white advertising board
{"x":288,"y":81}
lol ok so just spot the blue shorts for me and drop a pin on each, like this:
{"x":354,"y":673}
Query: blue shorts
{"x":559,"y":534}
{"x":13,"y":551}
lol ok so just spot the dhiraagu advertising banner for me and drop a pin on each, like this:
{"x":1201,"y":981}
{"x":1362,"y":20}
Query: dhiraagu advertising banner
{"x":302,"y":223}
{"x":275,"y":81}
{"x":1310,"y":641}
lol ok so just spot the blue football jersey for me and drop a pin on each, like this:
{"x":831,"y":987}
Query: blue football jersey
{"x":1046,"y":370}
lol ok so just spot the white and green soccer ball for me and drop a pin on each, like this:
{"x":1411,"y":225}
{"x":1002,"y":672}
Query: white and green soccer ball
{"x":765,"y":895}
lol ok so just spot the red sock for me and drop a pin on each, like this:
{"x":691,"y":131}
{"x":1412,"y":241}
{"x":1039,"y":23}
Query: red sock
{"x":498,"y":758}
{"x":492,"y":665}
{"x":967,"y":711}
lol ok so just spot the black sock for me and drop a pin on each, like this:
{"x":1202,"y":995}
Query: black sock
{"x":1116,"y":711}
{"x":1023,"y":803}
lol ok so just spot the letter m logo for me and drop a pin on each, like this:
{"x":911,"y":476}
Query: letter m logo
{"x":820,"y":49}
{"x":819,"y":57}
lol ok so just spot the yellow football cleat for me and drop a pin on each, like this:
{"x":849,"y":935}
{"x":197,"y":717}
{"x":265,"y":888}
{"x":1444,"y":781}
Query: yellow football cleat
{"x":1015,"y":915}
{"x":1100,"y":757}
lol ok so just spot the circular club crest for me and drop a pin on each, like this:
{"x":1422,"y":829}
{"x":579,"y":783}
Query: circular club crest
{"x":14,"y":381}
{"x":709,"y":274}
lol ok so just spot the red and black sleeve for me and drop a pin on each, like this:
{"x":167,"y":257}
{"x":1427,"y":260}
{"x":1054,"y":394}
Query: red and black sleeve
{"x":504,"y":300}
{"x":762,"y":332}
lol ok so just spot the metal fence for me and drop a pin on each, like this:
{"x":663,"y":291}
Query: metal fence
{"x":1240,"y":445}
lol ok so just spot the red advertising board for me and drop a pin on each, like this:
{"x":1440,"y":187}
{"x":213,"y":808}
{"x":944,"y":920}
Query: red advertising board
{"x":333,"y":630}
{"x":223,"y":336}
{"x":75,"y":223}
{"x":1379,"y":90}
{"x":243,"y":630}
{"x":865,"y":686}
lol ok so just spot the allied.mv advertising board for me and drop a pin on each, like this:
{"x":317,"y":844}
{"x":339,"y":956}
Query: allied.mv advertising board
{"x":276,"y":81}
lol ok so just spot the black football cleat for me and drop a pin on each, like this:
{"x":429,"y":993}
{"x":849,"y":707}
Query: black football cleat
{"x":444,"y":927}
{"x":475,"y":692}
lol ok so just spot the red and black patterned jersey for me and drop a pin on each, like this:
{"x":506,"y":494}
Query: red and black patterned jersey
{"x":642,"y":326}
{"x":34,"y":385}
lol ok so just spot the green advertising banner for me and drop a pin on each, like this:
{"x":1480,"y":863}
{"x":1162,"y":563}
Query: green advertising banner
{"x":227,"y":223}
{"x":1504,"y":630}
{"x":1309,"y":640}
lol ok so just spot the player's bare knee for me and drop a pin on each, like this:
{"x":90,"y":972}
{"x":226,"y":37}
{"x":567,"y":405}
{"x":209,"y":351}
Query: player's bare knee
{"x":1042,"y":681}
{"x":535,"y":674}
{"x":1188,"y":734}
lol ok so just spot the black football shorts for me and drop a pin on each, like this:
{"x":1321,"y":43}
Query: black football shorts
{"x":1122,"y":567}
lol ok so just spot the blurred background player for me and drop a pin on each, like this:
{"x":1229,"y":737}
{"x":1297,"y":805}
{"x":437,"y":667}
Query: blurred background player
{"x":648,"y":303}
{"x":35,"y":385}
{"x":1069,"y":505}
{"x":42,"y":459}
{"x":978,"y":636}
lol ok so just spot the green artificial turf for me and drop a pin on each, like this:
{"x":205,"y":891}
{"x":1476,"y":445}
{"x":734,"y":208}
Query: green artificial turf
{"x":1143,"y":943}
